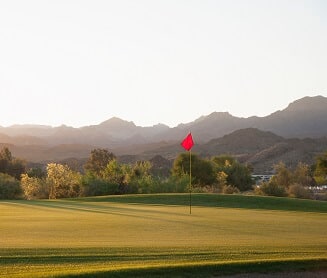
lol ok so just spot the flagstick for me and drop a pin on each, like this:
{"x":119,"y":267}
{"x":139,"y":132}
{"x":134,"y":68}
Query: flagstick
{"x":190,"y":184}
{"x":187,"y":144}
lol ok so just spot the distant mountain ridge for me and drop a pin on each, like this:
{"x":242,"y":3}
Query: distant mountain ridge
{"x":303,"y":118}
{"x":306,"y":117}
{"x":263,"y":149}
{"x":260,"y":149}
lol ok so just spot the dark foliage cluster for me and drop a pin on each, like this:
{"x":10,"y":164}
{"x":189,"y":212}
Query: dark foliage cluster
{"x":103,"y":174}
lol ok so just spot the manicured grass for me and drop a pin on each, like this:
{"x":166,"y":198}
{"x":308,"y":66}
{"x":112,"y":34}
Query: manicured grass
{"x":155,"y":236}
{"x":219,"y":200}
{"x":213,"y":270}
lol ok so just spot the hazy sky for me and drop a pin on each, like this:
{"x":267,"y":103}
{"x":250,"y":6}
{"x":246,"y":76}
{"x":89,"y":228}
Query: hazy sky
{"x":82,"y":62}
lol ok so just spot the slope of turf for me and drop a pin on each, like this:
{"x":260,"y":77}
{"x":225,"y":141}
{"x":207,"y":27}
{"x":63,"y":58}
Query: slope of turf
{"x":154,"y":235}
{"x":214,"y":270}
{"x":219,"y":200}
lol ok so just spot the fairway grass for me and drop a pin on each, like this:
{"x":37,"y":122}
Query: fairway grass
{"x":154,"y":235}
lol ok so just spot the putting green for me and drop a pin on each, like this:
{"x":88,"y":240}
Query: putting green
{"x":61,"y":237}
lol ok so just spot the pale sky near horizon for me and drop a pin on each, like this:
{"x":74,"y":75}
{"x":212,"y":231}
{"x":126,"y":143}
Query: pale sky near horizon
{"x":82,"y":62}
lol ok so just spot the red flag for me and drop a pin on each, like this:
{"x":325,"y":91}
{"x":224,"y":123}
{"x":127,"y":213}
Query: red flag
{"x":188,"y":143}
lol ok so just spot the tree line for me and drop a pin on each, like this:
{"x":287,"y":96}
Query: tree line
{"x":104,"y":175}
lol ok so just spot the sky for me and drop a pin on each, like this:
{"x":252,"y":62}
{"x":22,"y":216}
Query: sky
{"x":82,"y":62}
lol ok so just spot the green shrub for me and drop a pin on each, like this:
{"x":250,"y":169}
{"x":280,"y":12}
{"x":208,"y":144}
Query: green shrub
{"x":271,"y":189}
{"x":9,"y":187}
{"x":230,"y":189}
{"x":175,"y":184}
{"x":94,"y":186}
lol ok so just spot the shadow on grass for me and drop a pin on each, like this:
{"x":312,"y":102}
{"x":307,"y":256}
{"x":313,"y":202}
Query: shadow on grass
{"x":213,"y":270}
{"x":89,"y":207}
{"x":88,"y":204}
{"x":217,"y":200}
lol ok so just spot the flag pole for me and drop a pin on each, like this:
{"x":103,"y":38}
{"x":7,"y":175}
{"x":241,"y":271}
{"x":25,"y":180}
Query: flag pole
{"x":190,"y":183}
{"x":187,"y":144}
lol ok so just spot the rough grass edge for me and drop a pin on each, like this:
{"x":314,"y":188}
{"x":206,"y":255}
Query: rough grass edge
{"x":212,"y":269}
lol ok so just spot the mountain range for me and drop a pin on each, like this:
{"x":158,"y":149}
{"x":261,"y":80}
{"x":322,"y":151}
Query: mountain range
{"x":303,"y":124}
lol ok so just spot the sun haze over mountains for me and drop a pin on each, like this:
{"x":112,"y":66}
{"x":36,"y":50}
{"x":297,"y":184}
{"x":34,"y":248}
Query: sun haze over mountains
{"x":79,"y":63}
{"x":297,"y":132}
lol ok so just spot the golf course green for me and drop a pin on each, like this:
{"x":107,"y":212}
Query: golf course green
{"x":156,"y":236}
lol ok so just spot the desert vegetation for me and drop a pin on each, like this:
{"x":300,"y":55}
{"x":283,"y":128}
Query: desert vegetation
{"x":103,"y":174}
{"x":104,"y":221}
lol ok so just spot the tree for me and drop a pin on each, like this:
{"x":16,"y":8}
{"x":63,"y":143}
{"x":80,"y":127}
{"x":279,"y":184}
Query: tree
{"x":222,"y":161}
{"x":271,"y":189}
{"x":98,"y":161}
{"x":36,"y":172}
{"x":320,"y":173}
{"x":141,"y":177}
{"x":289,"y":182}
{"x":222,"y":178}
{"x":97,"y":186}
{"x":239,"y":175}
{"x":302,"y":175}
{"x":174,"y":184}
{"x":34,"y":188}
{"x":181,"y":164}
{"x":278,"y":184}
{"x":235,"y":173}
{"x":202,"y":170}
{"x":5,"y":160}
{"x":121,"y":175}
{"x":17,"y":168}
{"x":9,"y":187}
{"x":62,"y":181}
{"x":283,"y":176}
{"x":9,"y":165}
{"x":114,"y":173}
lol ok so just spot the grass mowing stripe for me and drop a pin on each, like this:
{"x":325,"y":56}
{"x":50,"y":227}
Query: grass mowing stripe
{"x":209,"y":269}
{"x":121,"y":234}
{"x":217,"y":200}
{"x":185,"y":254}
{"x":105,"y":261}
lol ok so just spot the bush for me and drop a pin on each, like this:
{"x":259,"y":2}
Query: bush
{"x":63,"y":182}
{"x":9,"y":187}
{"x":298,"y":191}
{"x":320,"y":196}
{"x":174,"y":185}
{"x":93,"y":186}
{"x":230,"y":189}
{"x":34,"y":188}
{"x":271,"y":189}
